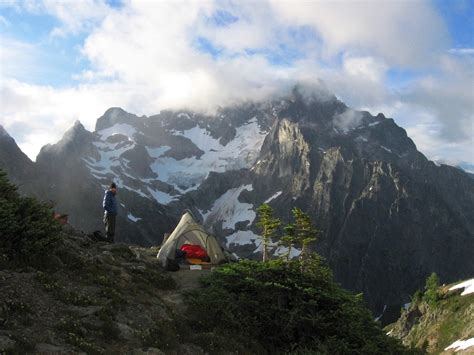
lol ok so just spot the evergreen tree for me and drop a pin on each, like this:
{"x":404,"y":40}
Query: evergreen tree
{"x":28,"y":232}
{"x":268,"y":225}
{"x":288,"y":240}
{"x":431,"y":295}
{"x":305,"y":232}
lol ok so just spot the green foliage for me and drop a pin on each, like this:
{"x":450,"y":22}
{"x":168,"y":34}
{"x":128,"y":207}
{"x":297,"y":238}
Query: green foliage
{"x":305,"y":232}
{"x":284,"y":309}
{"x":28,"y":231}
{"x":417,"y":297}
{"x":288,"y":240}
{"x":268,"y":224}
{"x":431,"y":295}
{"x":300,"y":234}
{"x":457,"y":317}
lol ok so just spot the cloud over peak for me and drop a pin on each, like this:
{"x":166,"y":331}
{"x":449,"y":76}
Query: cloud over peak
{"x":147,"y":56}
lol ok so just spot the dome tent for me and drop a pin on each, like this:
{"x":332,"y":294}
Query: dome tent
{"x":188,"y":231}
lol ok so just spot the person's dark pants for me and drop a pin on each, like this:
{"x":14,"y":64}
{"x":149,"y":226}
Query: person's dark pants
{"x":109,"y":222}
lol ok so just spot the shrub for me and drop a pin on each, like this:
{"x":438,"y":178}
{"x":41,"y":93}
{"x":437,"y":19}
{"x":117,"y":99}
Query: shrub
{"x":291,"y":309}
{"x":28,"y":231}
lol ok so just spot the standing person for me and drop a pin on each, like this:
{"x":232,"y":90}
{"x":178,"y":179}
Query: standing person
{"x":110,"y":211}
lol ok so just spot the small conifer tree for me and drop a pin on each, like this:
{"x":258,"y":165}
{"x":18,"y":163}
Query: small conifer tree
{"x":268,"y":225}
{"x":431,"y":295}
{"x":288,"y":240}
{"x":305,"y":232}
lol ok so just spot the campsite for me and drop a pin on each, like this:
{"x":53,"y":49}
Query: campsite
{"x":237,"y":177}
{"x":191,"y":247}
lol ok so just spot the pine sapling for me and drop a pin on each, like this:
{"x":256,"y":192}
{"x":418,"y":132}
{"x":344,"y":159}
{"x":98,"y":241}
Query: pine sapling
{"x":288,"y":240}
{"x":268,"y":225}
{"x":431,"y":295}
{"x":305,"y":232}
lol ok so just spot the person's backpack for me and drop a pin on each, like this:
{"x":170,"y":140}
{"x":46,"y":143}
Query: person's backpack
{"x":172,"y":265}
{"x":97,"y":236}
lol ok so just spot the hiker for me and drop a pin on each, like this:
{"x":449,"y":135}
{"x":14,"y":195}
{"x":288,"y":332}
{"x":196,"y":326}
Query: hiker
{"x":110,"y":211}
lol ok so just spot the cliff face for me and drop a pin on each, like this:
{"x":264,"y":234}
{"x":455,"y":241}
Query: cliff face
{"x":388,"y":216}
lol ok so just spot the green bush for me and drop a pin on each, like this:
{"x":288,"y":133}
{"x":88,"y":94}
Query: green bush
{"x":431,"y":295}
{"x":284,"y":309}
{"x":28,"y":231}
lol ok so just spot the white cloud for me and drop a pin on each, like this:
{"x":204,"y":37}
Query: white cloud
{"x":407,"y":33}
{"x":347,"y":120}
{"x":449,"y":97}
{"x":16,"y":57}
{"x":74,"y":16}
{"x":367,"y":67}
{"x":145,"y":57}
{"x":35,"y":115}
{"x":462,"y":51}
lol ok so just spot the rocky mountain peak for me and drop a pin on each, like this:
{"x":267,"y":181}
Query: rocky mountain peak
{"x":115,"y":115}
{"x":4,"y":134}
{"x":313,"y":105}
{"x":72,"y":142}
{"x":3,"y":131}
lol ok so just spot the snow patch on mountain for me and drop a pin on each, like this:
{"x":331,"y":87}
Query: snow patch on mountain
{"x":109,"y":158}
{"x":187,"y":174}
{"x":468,"y":287}
{"x":461,"y":345}
{"x":374,"y":124}
{"x":119,"y":128}
{"x":161,"y":197}
{"x":274,"y":196}
{"x":157,"y":152}
{"x":228,"y":209}
{"x":241,"y":238}
{"x":132,"y":217}
{"x":184,"y":174}
{"x":282,"y":250}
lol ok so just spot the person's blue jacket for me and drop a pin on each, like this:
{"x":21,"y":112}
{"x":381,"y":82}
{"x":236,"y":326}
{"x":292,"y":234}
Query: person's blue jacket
{"x":110,"y":204}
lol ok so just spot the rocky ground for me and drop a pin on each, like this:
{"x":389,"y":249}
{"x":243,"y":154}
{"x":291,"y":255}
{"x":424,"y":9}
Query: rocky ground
{"x":114,"y":299}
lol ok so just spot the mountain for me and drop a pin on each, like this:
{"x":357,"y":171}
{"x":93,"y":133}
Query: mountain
{"x":17,"y":165}
{"x":443,"y":327}
{"x":389,"y":216}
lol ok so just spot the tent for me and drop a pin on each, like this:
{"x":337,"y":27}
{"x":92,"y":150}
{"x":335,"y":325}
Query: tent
{"x":188,"y":231}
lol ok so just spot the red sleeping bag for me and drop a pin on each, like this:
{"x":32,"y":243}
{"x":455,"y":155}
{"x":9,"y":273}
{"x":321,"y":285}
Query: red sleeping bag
{"x":194,"y":251}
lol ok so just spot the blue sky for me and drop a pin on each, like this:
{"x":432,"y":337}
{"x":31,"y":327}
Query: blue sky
{"x":65,"y":60}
